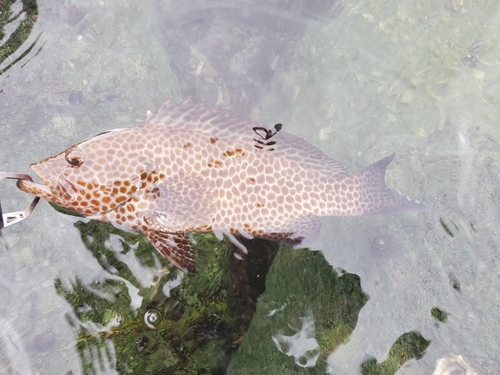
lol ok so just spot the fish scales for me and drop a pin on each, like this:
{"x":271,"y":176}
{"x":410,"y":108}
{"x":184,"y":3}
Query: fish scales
{"x":192,"y":168}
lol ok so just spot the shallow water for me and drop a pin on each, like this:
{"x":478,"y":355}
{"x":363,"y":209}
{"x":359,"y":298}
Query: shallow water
{"x":387,"y":294}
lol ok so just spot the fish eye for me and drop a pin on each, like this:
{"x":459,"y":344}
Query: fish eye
{"x":75,"y":157}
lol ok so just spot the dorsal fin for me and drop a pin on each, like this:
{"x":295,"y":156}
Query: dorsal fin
{"x":221,"y":123}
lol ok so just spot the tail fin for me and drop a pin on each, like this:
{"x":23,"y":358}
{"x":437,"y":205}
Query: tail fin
{"x":377,"y":198}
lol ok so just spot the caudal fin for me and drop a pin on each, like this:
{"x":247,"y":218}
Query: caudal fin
{"x":376,"y":197}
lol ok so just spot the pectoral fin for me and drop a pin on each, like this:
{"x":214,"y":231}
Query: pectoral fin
{"x":173,"y":246}
{"x":185,"y":203}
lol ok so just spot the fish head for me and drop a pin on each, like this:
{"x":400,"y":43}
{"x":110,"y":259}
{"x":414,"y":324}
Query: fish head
{"x":92,"y":177}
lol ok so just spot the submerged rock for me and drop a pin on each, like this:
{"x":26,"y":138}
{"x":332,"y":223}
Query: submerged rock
{"x":453,"y":364}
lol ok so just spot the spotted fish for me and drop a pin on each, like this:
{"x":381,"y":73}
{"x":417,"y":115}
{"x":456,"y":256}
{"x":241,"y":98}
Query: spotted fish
{"x":189,"y":168}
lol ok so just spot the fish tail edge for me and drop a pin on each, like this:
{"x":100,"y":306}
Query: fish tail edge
{"x":378,"y":198}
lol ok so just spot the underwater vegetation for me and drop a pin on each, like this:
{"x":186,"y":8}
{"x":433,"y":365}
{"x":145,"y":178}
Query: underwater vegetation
{"x":306,"y":312}
{"x":274,"y":310}
{"x":183,"y":323}
{"x":409,"y":345}
{"x":191,"y":328}
{"x":23,"y":21}
{"x":439,"y":314}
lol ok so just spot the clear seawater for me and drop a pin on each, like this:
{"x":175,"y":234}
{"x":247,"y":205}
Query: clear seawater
{"x":359,"y":79}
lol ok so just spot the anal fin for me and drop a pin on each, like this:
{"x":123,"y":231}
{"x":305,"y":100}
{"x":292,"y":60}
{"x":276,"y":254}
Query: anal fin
{"x":173,"y":246}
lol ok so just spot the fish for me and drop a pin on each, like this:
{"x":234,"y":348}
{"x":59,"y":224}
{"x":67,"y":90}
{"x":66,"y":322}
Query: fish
{"x":193,"y":168}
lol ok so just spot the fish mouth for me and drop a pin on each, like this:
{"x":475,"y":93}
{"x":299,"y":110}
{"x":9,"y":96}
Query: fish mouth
{"x":58,"y":190}
{"x":32,"y":187}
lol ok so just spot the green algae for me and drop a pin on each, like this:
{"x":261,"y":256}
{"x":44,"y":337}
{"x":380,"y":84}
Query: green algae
{"x":439,"y":314}
{"x":300,"y":284}
{"x":409,"y":345}
{"x":201,"y":321}
{"x":197,"y":325}
{"x":25,"y":19}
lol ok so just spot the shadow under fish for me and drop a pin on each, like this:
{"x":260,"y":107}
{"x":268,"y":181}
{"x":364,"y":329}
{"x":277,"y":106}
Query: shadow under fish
{"x":189,"y":168}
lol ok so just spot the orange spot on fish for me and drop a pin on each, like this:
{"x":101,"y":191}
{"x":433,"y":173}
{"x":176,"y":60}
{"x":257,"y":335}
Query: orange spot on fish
{"x":121,"y":199}
{"x":215,"y":164}
{"x":237,"y":152}
{"x":155,"y":176}
{"x":213,"y":140}
{"x":106,"y":199}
